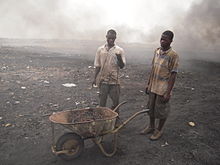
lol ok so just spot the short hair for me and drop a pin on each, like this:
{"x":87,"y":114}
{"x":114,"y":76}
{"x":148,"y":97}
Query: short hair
{"x":169,"y":34}
{"x":111,"y":31}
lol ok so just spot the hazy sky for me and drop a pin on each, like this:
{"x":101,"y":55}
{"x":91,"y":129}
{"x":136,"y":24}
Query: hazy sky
{"x":84,"y":18}
{"x":134,"y":20}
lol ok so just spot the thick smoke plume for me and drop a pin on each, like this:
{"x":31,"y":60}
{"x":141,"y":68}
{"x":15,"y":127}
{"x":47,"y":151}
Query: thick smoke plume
{"x":199,"y":29}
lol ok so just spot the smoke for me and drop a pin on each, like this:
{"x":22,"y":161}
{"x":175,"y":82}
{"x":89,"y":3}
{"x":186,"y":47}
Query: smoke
{"x":196,"y":30}
{"x":83,"y":19}
{"x":196,"y":26}
{"x":46,"y":19}
{"x":199,"y":29}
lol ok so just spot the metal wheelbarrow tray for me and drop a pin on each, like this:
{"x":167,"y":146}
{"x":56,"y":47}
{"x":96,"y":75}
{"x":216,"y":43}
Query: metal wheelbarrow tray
{"x":88,"y":123}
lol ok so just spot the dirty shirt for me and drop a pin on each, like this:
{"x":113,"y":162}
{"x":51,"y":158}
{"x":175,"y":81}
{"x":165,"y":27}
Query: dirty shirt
{"x":163,"y":64}
{"x":107,"y":60}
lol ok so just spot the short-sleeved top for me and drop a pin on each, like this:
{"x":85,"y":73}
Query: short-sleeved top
{"x":107,"y":60}
{"x":163,"y":64}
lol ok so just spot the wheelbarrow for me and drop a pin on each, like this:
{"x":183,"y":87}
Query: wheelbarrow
{"x":88,"y":123}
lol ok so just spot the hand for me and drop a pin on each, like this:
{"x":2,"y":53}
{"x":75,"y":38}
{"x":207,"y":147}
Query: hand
{"x":94,"y":83}
{"x":166,"y":97}
{"x":146,"y":91}
{"x":118,"y":54}
{"x":119,"y":60}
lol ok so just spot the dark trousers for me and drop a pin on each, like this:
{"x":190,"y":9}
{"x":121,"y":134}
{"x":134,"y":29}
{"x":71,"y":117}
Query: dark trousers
{"x":113,"y":90}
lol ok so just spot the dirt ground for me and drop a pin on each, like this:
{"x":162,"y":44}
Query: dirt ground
{"x":31,"y":89}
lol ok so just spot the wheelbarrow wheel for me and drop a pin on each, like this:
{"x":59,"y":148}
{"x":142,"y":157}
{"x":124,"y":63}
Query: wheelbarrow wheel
{"x":71,"y":146}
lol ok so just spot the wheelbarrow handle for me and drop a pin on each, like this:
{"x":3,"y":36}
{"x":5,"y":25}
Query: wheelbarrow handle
{"x":119,"y":105}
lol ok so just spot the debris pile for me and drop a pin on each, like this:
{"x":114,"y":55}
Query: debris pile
{"x":87,"y":115}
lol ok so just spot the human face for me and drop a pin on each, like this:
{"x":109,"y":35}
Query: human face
{"x":111,"y":39}
{"x":165,"y":41}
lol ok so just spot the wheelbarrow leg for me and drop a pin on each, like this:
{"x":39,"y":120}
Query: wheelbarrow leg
{"x":97,"y":139}
{"x":52,"y":138}
{"x":115,"y":140}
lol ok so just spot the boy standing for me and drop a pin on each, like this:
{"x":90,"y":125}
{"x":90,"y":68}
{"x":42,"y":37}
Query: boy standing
{"x":109,"y":60}
{"x":160,"y":84}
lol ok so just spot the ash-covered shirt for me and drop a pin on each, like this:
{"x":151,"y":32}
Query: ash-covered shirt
{"x":107,"y":60}
{"x":163,"y":64}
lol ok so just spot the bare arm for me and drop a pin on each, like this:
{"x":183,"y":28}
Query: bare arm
{"x":150,"y":77}
{"x":148,"y":82}
{"x":170,"y":86}
{"x":97,"y":70}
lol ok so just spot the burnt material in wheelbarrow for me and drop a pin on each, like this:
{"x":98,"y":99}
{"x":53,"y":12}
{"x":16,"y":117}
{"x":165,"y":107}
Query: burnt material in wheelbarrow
{"x":88,"y":122}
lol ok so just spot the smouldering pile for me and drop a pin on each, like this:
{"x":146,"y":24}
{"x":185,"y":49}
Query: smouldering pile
{"x":86,"y":116}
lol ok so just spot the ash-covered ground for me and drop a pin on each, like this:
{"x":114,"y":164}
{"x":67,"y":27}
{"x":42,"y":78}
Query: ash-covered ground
{"x":32,"y":79}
